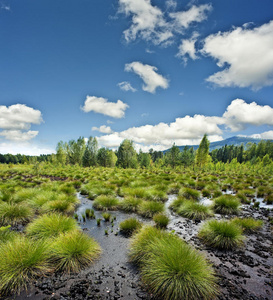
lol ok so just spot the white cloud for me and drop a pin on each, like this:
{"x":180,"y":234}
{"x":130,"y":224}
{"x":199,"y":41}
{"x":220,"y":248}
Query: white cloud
{"x":18,"y":135}
{"x":239,"y":114}
{"x":148,"y":21}
{"x":267,"y":135}
{"x":102,"y":106}
{"x":110,"y":141}
{"x":24,"y":148}
{"x":187,"y":47}
{"x":171,"y":4}
{"x":5,"y":7}
{"x":197,"y":14}
{"x":103,"y":129}
{"x":246,"y":54}
{"x":19,"y":116}
{"x":152,"y":80}
{"x":16,"y":121}
{"x":126,"y":86}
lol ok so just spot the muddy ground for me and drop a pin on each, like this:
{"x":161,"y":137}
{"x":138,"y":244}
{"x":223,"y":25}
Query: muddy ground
{"x":244,"y":274}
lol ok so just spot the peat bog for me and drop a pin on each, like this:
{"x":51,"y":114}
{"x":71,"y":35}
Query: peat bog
{"x":241,"y":272}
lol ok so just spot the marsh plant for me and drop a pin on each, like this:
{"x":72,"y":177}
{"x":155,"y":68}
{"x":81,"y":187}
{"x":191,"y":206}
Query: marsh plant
{"x":189,"y":193}
{"x":130,"y":204}
{"x":106,"y":203}
{"x":248,"y":224}
{"x":21,"y":260}
{"x":194,"y":210}
{"x":226,"y":205}
{"x":170,"y":268}
{"x":50,"y":226}
{"x":12,"y":213}
{"x":106,"y":216}
{"x":90,"y":213}
{"x":148,"y":209}
{"x":73,"y":251}
{"x":225,"y":235}
{"x":161,"y":220}
{"x":128,"y":226}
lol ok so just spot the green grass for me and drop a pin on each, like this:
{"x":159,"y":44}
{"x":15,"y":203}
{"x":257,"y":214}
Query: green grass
{"x":130,"y":204}
{"x":226,"y":205}
{"x":128,"y":226}
{"x":189,"y":193}
{"x":248,"y":224}
{"x":148,"y":209}
{"x":50,"y":226}
{"x":170,"y":268}
{"x":21,"y":260}
{"x":12,"y":213}
{"x":194,"y":210}
{"x":106,"y":203}
{"x":90,"y":214}
{"x":6,"y":234}
{"x":177,"y":203}
{"x":161,"y":220}
{"x":73,"y":251}
{"x":221,"y":234}
{"x":106,"y":216}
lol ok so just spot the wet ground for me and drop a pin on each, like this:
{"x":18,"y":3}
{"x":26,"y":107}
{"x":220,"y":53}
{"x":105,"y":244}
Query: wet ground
{"x":243,"y":274}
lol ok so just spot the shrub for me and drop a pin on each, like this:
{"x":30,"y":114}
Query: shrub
{"x":12,"y":213}
{"x":248,"y":224}
{"x":149,"y":208}
{"x":73,"y":251}
{"x":194,"y":210}
{"x":170,"y":268}
{"x":226,"y":204}
{"x":130,"y":204}
{"x":128,"y":226}
{"x":161,"y":220}
{"x":221,"y":234}
{"x":106,"y":203}
{"x":21,"y":260}
{"x":50,"y":226}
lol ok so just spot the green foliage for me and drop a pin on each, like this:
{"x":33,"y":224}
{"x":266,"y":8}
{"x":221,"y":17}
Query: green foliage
{"x":73,"y":251}
{"x":11,"y":213}
{"x":161,"y":220}
{"x":194,"y":210}
{"x":106,"y":216}
{"x":177,"y":203}
{"x":148,"y":209}
{"x":50,"y":226}
{"x":90,"y":214}
{"x":127,"y":156}
{"x":170,"y":268}
{"x":221,"y":234}
{"x":21,"y":260}
{"x":106,"y":203}
{"x":130,"y":204}
{"x":189,"y":193}
{"x":202,"y":154}
{"x":128,"y":226}
{"x":248,"y":224}
{"x":226,"y":204}
{"x":6,"y":234}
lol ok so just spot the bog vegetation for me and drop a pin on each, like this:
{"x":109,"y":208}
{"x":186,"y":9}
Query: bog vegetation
{"x":38,"y":202}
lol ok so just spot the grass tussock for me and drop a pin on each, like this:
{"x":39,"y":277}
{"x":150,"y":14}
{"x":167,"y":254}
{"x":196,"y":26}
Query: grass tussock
{"x":73,"y":251}
{"x":161,"y":220}
{"x":226,"y":205}
{"x":189,"y":193}
{"x":128,"y":226}
{"x":130,"y":204}
{"x":12,"y":213}
{"x":170,"y":268}
{"x":194,"y":210}
{"x":50,"y":226}
{"x":248,"y":224}
{"x":223,"y":234}
{"x":106,"y":203}
{"x":21,"y":259}
{"x":148,"y":209}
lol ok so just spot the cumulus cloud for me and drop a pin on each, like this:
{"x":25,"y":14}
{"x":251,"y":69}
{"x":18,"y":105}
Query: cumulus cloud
{"x":187,"y":48}
{"x":103,"y":129}
{"x":246,"y":54}
{"x":152,"y":80}
{"x":24,"y":148}
{"x":239,"y":114}
{"x":18,"y":135}
{"x":126,"y":86}
{"x":196,"y":14}
{"x":171,"y":4}
{"x":102,"y":106}
{"x":189,"y":130}
{"x":16,"y":121}
{"x":148,"y":21}
{"x":267,"y":135}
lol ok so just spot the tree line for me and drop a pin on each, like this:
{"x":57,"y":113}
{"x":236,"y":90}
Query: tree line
{"x":86,"y":153}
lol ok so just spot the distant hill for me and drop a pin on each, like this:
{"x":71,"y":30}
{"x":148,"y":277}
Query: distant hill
{"x":235,"y":140}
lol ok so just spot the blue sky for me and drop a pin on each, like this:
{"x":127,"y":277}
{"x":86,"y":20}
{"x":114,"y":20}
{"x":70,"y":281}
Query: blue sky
{"x":156,"y":72}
